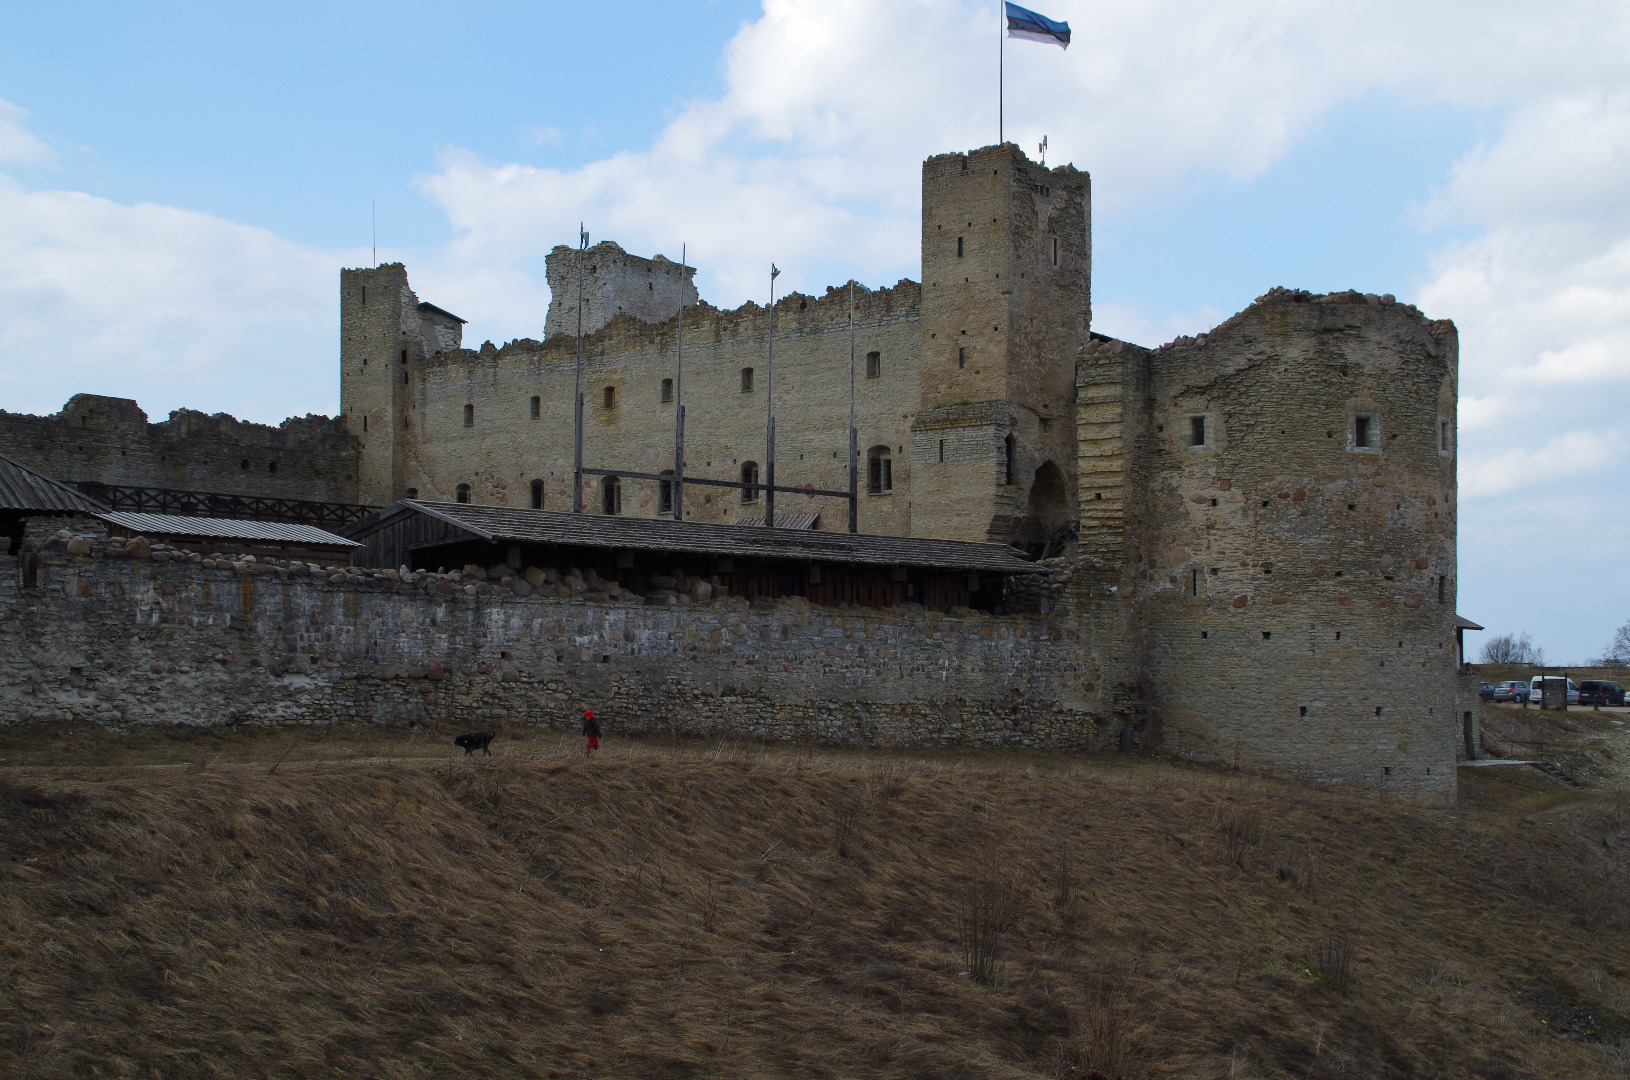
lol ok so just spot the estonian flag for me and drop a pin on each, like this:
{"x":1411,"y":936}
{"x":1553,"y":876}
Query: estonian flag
{"x":1024,"y":23}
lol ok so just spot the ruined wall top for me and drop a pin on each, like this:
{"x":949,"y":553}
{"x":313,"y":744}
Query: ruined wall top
{"x":614,"y":283}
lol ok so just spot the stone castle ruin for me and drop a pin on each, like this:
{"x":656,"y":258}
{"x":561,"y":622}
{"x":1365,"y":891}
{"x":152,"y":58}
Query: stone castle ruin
{"x":1246,"y":538}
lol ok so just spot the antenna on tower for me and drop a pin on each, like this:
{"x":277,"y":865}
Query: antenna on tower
{"x":1043,"y":149}
{"x":373,"y":217}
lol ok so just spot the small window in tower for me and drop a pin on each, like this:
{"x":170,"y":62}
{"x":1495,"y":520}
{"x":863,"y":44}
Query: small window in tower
{"x":942,"y":449}
{"x":404,"y":356}
{"x":1444,"y":435}
{"x":1364,"y":432}
{"x":1007,"y":460}
{"x":537,"y":406}
{"x":874,"y":365}
{"x":537,"y":494}
{"x":1055,"y":251}
{"x":665,"y":493}
{"x":962,"y":358}
{"x":1441,"y":587}
{"x":412,"y":493}
{"x":462,"y":494}
{"x":271,"y":466}
{"x":364,"y":361}
{"x":747,"y":380}
{"x":879,"y":470}
{"x":469,"y":416}
{"x":959,"y":247}
{"x":611,"y":495}
{"x":749,"y":475}
{"x":244,"y":464}
{"x":1197,"y":431}
{"x":667,"y":391}
{"x":364,"y":421}
{"x":609,"y":396}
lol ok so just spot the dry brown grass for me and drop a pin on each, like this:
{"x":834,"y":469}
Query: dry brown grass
{"x":731,"y":911}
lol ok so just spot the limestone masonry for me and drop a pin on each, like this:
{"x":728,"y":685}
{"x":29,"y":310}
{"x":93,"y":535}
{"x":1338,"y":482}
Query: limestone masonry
{"x":1250,"y":534}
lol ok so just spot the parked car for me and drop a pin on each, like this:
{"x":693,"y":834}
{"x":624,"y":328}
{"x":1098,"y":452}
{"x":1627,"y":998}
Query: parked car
{"x":1485,"y":691}
{"x":1513,"y":690}
{"x":1536,"y":689}
{"x":1600,"y":692}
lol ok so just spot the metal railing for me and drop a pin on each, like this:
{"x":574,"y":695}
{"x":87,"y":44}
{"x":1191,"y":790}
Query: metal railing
{"x":146,"y":500}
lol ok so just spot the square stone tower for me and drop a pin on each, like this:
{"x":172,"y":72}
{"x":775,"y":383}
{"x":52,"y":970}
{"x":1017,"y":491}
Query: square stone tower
{"x":1007,"y":307}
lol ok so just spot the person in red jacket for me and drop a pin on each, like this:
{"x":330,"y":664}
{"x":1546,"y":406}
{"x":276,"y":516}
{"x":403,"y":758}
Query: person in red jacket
{"x":591,"y":731}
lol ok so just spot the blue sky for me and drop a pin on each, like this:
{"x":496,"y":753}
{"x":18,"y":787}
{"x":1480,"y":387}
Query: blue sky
{"x":179,"y":184}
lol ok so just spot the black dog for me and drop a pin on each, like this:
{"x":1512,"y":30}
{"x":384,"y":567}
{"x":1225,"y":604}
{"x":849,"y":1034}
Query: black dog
{"x":473,"y":741}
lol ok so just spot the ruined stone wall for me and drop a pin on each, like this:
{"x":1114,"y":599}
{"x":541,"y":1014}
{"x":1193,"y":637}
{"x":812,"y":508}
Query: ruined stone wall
{"x":147,"y":635}
{"x":505,"y":448}
{"x":109,"y":440}
{"x":614,"y":283}
{"x":1297,"y":589}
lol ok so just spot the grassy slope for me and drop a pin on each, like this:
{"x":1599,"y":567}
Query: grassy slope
{"x":663,"y":912}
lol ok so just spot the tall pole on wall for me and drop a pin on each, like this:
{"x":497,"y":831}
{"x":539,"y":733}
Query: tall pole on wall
{"x":678,"y":493}
{"x":1001,"y":73}
{"x":769,"y":412}
{"x":577,"y":383}
{"x":854,"y":434}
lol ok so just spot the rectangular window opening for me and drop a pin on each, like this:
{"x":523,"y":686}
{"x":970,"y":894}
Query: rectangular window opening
{"x":747,"y":380}
{"x":874,"y":365}
{"x":667,"y":391}
{"x":962,"y":358}
{"x":537,"y":493}
{"x":1197,"y":431}
{"x":469,"y":416}
{"x":537,"y":406}
{"x":1007,"y":460}
{"x":1194,"y":582}
{"x":959,"y":247}
{"x":1055,"y":251}
{"x":609,"y":397}
{"x":942,"y":449}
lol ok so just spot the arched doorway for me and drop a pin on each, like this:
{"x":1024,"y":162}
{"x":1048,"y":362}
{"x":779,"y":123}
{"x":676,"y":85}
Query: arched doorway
{"x":1047,"y":526}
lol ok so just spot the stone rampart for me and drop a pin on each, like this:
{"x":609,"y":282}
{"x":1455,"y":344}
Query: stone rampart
{"x":109,"y":440}
{"x":150,"y":635}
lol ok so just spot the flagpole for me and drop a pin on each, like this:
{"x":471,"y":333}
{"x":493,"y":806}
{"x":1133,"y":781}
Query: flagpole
{"x":577,"y":381}
{"x":676,"y":494}
{"x":1001,"y":72}
{"x":769,"y":413}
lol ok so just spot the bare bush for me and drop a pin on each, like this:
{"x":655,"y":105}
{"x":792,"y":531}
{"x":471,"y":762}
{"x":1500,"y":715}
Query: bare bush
{"x":1334,"y":957}
{"x":985,"y":915}
{"x":1101,"y":1029}
{"x":1296,"y":867}
{"x":1063,"y":881}
{"x":845,"y":819}
{"x":1241,"y":831}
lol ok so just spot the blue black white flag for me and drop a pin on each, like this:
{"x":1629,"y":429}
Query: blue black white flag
{"x":1026,"y":24}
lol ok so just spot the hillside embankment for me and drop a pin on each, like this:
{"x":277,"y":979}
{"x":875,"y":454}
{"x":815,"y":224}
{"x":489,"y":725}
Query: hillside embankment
{"x":263,"y":906}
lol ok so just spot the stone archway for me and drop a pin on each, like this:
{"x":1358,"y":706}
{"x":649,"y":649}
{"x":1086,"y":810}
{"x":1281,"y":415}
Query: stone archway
{"x":1047,"y":512}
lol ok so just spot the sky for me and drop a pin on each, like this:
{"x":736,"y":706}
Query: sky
{"x":180,"y":184}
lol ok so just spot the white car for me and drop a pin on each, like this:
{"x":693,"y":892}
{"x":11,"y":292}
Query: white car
{"x":1536,"y":687}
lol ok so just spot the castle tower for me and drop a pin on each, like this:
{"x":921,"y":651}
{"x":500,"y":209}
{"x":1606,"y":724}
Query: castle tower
{"x":1007,"y":277}
{"x":385,"y":334}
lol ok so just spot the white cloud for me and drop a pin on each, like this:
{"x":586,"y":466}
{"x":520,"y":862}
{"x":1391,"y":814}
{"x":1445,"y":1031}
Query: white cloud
{"x":18,"y":145}
{"x":168,"y":306}
{"x":1562,"y":458}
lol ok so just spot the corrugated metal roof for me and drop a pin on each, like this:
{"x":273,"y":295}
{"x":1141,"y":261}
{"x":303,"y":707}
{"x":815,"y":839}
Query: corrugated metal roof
{"x":224,"y":529}
{"x":805,"y":520}
{"x":21,"y":488}
{"x":506,"y":524}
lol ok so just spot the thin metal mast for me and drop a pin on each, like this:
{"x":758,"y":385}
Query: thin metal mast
{"x":769,"y":412}
{"x":677,"y":493}
{"x":577,"y":384}
{"x":1001,"y":73}
{"x":854,"y":441}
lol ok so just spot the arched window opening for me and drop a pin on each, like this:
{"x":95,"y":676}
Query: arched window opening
{"x":667,"y":390}
{"x":747,"y":380}
{"x":462,"y":494}
{"x":412,"y":493}
{"x":1046,"y":527}
{"x":665,"y":492}
{"x":749,"y":475}
{"x":611,"y":495}
{"x":469,"y":416}
{"x":879,"y":470}
{"x":537,"y":494}
{"x":537,"y":406}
